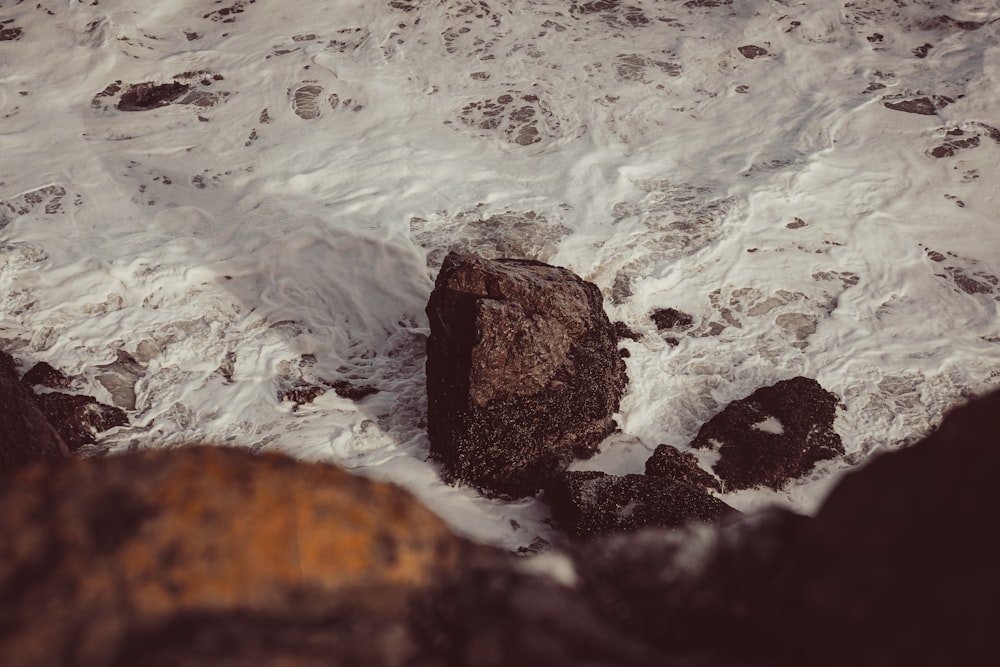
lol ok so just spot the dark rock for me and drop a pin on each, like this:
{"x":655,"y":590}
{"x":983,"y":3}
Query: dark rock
{"x":707,"y":3}
{"x":45,"y":375}
{"x":752,"y":51}
{"x":949,"y":148}
{"x":148,"y":95}
{"x":211,"y":556}
{"x":926,"y":106}
{"x":776,"y":434}
{"x":523,"y":372}
{"x":671,"y":318}
{"x":11,"y":34}
{"x":671,"y":463}
{"x":25,"y":433}
{"x":590,"y":503}
{"x":624,"y":332}
{"x":946,"y":22}
{"x":899,"y":563}
{"x":503,"y":616}
{"x":301,"y":394}
{"x":355,"y":392}
{"x":78,"y":419}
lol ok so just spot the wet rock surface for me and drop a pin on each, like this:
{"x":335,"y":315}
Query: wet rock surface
{"x":25,"y":434}
{"x":590,"y":503}
{"x":671,"y":463}
{"x":776,"y":434}
{"x":78,"y":419}
{"x":523,"y":372}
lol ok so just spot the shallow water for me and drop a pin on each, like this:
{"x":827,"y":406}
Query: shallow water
{"x":280,"y":221}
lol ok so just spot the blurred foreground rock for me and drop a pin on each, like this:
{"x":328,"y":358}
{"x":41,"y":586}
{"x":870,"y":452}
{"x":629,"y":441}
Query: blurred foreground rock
{"x":210,"y":556}
{"x":523,"y":372}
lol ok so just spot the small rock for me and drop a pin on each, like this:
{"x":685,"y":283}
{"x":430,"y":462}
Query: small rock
{"x":671,"y":318}
{"x":45,"y":375}
{"x":78,"y":419}
{"x":751,"y":51}
{"x":590,"y":503}
{"x":776,"y":434}
{"x":671,"y":463}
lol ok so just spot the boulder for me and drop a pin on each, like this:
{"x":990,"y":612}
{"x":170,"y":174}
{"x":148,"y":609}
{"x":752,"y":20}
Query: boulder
{"x":210,"y":556}
{"x":523,"y":372}
{"x":25,"y":434}
{"x":671,"y":463}
{"x":776,"y":434}
{"x":590,"y":503}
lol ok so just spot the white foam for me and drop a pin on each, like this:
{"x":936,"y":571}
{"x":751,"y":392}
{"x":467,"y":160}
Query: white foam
{"x":286,"y":251}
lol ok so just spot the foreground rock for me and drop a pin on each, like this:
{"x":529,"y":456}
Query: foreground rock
{"x":898,"y":569}
{"x":78,"y":419}
{"x":590,"y":503}
{"x":25,"y":434}
{"x":209,"y":556}
{"x":671,"y":463}
{"x":523,"y":372}
{"x":776,"y":434}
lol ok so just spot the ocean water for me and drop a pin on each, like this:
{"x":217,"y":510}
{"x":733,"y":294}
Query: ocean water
{"x":816,"y":183}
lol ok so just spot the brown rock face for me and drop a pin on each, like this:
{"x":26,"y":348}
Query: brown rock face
{"x":25,"y":434}
{"x":127,"y":560}
{"x":523,"y":372}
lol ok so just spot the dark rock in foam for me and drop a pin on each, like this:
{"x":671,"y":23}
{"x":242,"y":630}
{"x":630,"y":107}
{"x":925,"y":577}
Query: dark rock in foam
{"x":523,"y":372}
{"x":25,"y":434}
{"x":590,"y":503}
{"x":78,"y":419}
{"x":671,"y":463}
{"x":774,"y":435}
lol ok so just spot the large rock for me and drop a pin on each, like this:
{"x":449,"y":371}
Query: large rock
{"x":671,"y":463}
{"x":25,"y":434}
{"x":210,"y":556}
{"x":590,"y":503}
{"x":523,"y":372}
{"x":78,"y":419}
{"x":776,"y":434}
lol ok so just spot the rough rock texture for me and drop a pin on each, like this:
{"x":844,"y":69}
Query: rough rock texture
{"x":899,"y":565}
{"x":523,"y":372}
{"x":45,"y":375}
{"x":671,"y":463}
{"x":774,"y":435}
{"x":590,"y":503}
{"x":78,"y":419}
{"x":209,"y":556}
{"x":25,"y":434}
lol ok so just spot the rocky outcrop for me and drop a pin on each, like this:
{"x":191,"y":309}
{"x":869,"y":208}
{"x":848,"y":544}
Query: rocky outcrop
{"x":78,"y":419}
{"x":523,"y":372}
{"x":776,"y":434}
{"x":200,"y":555}
{"x":590,"y":503}
{"x":25,"y":434}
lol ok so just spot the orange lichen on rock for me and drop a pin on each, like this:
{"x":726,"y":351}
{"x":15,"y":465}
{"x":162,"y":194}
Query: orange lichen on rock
{"x":124,"y":543}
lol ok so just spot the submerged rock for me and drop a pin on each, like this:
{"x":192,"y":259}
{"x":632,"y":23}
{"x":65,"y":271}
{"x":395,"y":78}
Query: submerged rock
{"x":776,"y":434}
{"x":208,"y":556}
{"x":523,"y":372}
{"x":25,"y":433}
{"x":590,"y":503}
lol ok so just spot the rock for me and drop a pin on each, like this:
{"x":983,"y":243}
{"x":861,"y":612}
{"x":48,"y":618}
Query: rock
{"x":78,"y":419}
{"x":148,"y":95}
{"x":671,"y":463}
{"x":751,"y":51}
{"x":25,"y":434}
{"x":45,"y":375}
{"x":899,"y":563}
{"x":671,"y":318}
{"x":209,"y":556}
{"x":925,"y":106}
{"x":589,"y":503}
{"x":776,"y":434}
{"x":523,"y":372}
